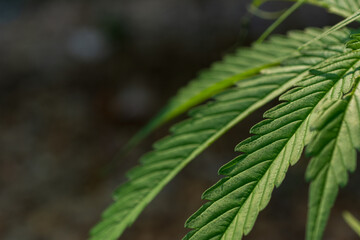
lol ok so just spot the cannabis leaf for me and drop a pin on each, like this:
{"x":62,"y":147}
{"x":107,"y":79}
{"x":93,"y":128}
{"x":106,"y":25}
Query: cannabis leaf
{"x":343,"y":8}
{"x":333,"y":151}
{"x":207,"y":123}
{"x":235,"y":201}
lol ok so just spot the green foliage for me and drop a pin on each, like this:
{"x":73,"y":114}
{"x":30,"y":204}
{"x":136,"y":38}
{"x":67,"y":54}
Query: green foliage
{"x":319,"y":72}
{"x":354,"y":43}
{"x":343,"y":8}
{"x":333,"y":148}
{"x":207,"y":123}
{"x":236,"y":200}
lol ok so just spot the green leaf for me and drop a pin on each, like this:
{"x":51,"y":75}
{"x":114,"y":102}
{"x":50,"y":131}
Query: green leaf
{"x":353,"y":222}
{"x":333,"y":150}
{"x":235,"y":201}
{"x":207,"y":123}
{"x":343,"y":8}
{"x":334,"y":28}
{"x":244,"y":63}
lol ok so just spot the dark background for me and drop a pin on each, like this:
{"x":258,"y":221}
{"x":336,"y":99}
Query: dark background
{"x":79,"y":78}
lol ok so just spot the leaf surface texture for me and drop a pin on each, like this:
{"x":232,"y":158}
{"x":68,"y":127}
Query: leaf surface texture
{"x":236,"y":200}
{"x":334,"y":152}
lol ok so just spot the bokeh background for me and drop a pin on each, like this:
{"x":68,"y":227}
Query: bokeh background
{"x":79,"y":78}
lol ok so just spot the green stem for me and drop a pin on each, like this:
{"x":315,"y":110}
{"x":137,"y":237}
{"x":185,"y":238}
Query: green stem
{"x":352,"y":221}
{"x":278,"y":21}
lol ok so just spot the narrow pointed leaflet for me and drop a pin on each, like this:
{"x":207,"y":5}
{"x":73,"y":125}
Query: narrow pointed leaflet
{"x":236,"y":200}
{"x":206,"y":124}
{"x":334,"y":151}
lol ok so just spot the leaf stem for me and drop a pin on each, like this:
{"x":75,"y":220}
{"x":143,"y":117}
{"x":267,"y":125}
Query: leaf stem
{"x":352,"y":221}
{"x":278,"y":21}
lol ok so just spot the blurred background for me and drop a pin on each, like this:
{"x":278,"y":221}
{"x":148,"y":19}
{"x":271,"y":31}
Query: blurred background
{"x":79,"y":78}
